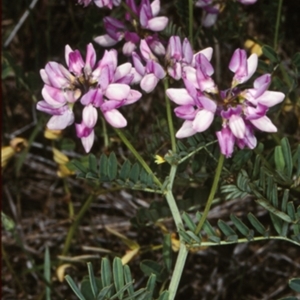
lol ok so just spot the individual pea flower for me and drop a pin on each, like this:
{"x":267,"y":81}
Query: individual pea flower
{"x":103,"y":86}
{"x":194,"y":107}
{"x":101,"y":3}
{"x":138,"y":25}
{"x":210,"y":11}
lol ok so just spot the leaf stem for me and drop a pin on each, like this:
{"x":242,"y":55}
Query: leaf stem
{"x":169,"y":116}
{"x":137,"y":155}
{"x":244,"y":240}
{"x":277,"y":24}
{"x":211,"y":195}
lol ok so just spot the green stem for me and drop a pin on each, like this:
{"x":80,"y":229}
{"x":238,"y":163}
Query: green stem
{"x":105,"y":135}
{"x":68,"y":194}
{"x":76,"y":222}
{"x":178,"y":270}
{"x":169,"y":116}
{"x":183,"y":252}
{"x":211,"y":195}
{"x":244,"y":240}
{"x":137,"y":155}
{"x":195,"y":151}
{"x":191,"y":19}
{"x":277,"y":24}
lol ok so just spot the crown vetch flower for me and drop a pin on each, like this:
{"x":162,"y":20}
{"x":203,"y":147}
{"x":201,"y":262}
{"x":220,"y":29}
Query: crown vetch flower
{"x":102,"y":86}
{"x":145,"y":19}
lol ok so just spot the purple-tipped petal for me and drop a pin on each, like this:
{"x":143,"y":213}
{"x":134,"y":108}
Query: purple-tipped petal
{"x":90,"y":59}
{"x":226,"y":141}
{"x":187,"y":51}
{"x":186,"y":112}
{"x":88,"y":141}
{"x":94,"y":97}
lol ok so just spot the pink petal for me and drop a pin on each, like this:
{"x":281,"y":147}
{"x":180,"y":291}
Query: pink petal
{"x":89,"y":116}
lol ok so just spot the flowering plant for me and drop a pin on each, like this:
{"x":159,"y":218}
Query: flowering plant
{"x":167,"y":104}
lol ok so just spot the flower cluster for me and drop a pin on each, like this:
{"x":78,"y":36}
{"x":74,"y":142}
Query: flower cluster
{"x":212,"y":8}
{"x":143,"y":19}
{"x":102,"y":86}
{"x":241,"y":111}
{"x":177,"y":60}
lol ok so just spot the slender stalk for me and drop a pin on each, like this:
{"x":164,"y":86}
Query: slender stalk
{"x":105,"y":135}
{"x":137,"y":155}
{"x":211,"y":195}
{"x":244,"y":240}
{"x":68,"y":194}
{"x":178,"y":270}
{"x":76,"y":222}
{"x":191,"y":21}
{"x":169,"y":116}
{"x":277,"y":24}
{"x":183,"y":252}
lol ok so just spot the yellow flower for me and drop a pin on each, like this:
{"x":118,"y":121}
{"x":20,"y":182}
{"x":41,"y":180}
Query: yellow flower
{"x":159,"y":159}
{"x":253,"y":47}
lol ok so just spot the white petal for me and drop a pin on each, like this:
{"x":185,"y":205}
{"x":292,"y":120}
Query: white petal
{"x":158,"y":23}
{"x":148,"y":83}
{"x":117,"y":91}
{"x":186,"y":130}
{"x":115,"y":118}
{"x":180,"y":96}
{"x":62,"y":121}
{"x":270,"y":98}
{"x":264,"y":124}
{"x":88,"y":141}
{"x":237,"y":126}
{"x":203,"y":120}
{"x":105,"y":40}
